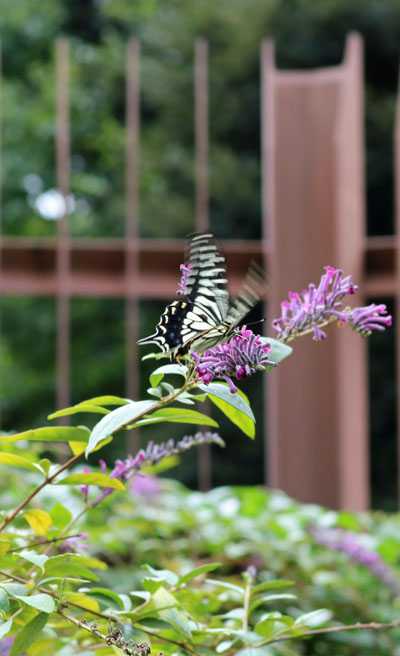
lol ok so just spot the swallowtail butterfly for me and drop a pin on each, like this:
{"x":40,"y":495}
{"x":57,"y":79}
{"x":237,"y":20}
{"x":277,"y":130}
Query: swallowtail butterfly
{"x":205,"y":315}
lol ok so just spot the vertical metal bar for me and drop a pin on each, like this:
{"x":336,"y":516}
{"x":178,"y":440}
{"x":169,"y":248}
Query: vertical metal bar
{"x":201,"y":133}
{"x":397,"y":299}
{"x":1,"y":205}
{"x":204,"y":463}
{"x":132,"y":225}
{"x":271,"y":452}
{"x":352,"y":381}
{"x":63,"y":246}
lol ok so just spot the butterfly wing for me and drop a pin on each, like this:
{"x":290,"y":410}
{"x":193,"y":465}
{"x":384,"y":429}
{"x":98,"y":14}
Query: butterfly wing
{"x":249,"y":295}
{"x":184,"y":323}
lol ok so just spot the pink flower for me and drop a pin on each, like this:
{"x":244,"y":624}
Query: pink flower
{"x":185,"y":270}
{"x":241,"y":356}
{"x":314,"y":307}
{"x":352,"y":545}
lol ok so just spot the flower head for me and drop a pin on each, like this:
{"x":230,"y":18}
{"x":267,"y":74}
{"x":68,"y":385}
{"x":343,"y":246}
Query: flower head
{"x":369,"y":318}
{"x":317,"y":306}
{"x":243,"y":355}
{"x":185,"y":270}
{"x":152,"y":454}
{"x":354,"y":547}
{"x":145,"y":486}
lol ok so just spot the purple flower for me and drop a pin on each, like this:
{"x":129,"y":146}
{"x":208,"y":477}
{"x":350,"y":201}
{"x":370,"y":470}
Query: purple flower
{"x":370,"y":317}
{"x":153,"y":453}
{"x":243,"y":355}
{"x":351,"y":544}
{"x":75,"y":543}
{"x":185,"y":270}
{"x":5,"y":646}
{"x":85,"y":488}
{"x":145,"y":486}
{"x":315,"y":307}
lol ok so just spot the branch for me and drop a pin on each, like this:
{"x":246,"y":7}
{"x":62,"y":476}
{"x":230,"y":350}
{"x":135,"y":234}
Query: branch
{"x":47,"y":481}
{"x":359,"y":626}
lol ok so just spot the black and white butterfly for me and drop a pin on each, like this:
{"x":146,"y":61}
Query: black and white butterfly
{"x":206,"y":315}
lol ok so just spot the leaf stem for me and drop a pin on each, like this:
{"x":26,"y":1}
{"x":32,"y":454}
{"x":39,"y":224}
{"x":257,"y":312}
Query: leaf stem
{"x":359,"y":626}
{"x":47,"y":481}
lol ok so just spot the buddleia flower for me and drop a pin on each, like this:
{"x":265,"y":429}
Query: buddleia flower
{"x":239,"y":357}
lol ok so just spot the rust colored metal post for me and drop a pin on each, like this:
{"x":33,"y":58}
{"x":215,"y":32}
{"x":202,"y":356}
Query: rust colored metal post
{"x":132,"y":225}
{"x":397,"y":288}
{"x":201,"y":133}
{"x":1,"y":203}
{"x":313,"y":216}
{"x":351,"y":372}
{"x":63,"y":183}
{"x":267,"y":66}
{"x":204,"y":464}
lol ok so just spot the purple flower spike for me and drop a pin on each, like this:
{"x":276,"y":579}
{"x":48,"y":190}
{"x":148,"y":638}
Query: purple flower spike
{"x":315,"y":307}
{"x":154,"y":453}
{"x":185,"y":270}
{"x":5,"y":646}
{"x":351,"y":544}
{"x":369,"y":318}
{"x":243,"y":355}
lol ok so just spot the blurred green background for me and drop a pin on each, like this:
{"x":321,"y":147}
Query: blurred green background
{"x":307,"y":33}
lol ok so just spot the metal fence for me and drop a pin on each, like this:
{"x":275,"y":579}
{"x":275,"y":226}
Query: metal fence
{"x":313,"y":213}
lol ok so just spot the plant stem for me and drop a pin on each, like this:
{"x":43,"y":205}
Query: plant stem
{"x":44,"y":542}
{"x":359,"y":626}
{"x":246,"y":603}
{"x":47,"y":481}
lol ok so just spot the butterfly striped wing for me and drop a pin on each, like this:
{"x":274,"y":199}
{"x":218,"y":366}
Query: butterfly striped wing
{"x":249,"y":295}
{"x":189,"y":322}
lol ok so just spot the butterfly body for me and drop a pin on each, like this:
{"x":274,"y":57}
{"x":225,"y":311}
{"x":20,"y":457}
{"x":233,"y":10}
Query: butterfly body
{"x":205,"y":316}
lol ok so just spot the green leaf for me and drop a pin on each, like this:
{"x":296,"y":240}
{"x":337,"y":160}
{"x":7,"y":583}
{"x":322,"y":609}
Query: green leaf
{"x":276,"y":584}
{"x":5,"y":627}
{"x":228,"y":586}
{"x":4,"y":601}
{"x":162,"y":599}
{"x":234,"y":406}
{"x":80,"y":407}
{"x":116,"y":420}
{"x":254,"y":651}
{"x":314,"y":619}
{"x":279,"y":350}
{"x":31,"y":631}
{"x":107,"y":597}
{"x":40,"y":601}
{"x":99,"y":479}
{"x":14,"y":460}
{"x":70,"y":565}
{"x":178,"y":416}
{"x":198,"y":571}
{"x":60,"y":515}
{"x":33,"y":557}
{"x":51,"y":434}
{"x":108,"y":399}
{"x":267,"y":599}
{"x":273,"y":624}
{"x":162,"y":575}
{"x":157,"y":375}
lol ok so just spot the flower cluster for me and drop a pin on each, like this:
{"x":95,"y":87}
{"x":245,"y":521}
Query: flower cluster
{"x":152,"y":454}
{"x":352,"y":545}
{"x":185,"y":270}
{"x":316,"y":307}
{"x":242,"y":355}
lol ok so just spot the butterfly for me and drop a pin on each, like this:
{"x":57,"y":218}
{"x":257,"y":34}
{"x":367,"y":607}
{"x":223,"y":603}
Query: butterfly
{"x":205,"y":315}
